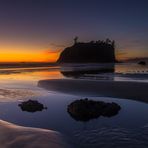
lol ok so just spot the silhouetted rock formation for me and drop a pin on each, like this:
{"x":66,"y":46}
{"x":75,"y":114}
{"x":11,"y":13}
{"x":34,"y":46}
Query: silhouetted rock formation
{"x":84,"y":109}
{"x":142,"y":63}
{"x":91,"y":52}
{"x":31,"y":106}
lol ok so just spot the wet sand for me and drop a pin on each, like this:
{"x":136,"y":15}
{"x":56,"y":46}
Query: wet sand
{"x":127,"y":90}
{"x":15,"y":136}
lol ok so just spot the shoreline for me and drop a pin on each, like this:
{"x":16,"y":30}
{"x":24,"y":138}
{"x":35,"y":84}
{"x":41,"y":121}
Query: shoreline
{"x":117,"y":89}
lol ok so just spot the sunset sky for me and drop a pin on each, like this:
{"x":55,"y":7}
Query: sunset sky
{"x":37,"y":30}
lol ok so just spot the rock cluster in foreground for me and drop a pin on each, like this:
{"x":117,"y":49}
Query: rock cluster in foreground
{"x":31,"y":106}
{"x":84,"y":109}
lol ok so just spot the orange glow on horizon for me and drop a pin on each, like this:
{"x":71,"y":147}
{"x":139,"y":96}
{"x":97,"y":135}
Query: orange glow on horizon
{"x":28,"y":56}
{"x":40,"y":56}
{"x":8,"y":54}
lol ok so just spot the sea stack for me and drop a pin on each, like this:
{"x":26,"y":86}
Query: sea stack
{"x":89,"y":52}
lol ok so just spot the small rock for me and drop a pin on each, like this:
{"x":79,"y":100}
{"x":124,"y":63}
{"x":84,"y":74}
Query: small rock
{"x":31,"y":106}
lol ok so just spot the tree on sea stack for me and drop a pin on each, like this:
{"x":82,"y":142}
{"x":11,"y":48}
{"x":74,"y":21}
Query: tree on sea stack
{"x":76,"y":40}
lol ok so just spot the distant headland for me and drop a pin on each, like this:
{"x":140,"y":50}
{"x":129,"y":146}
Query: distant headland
{"x":89,"y":52}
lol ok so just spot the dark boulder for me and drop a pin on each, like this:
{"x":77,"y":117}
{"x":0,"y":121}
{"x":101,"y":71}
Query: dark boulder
{"x":31,"y":106}
{"x":85,"y":110}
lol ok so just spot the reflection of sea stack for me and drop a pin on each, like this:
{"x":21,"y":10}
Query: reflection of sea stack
{"x":91,"y":52}
{"x":88,"y":73}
